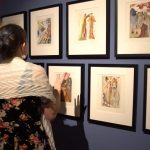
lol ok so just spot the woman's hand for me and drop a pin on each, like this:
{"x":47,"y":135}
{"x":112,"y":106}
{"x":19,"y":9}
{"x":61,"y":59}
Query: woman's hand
{"x":50,"y":112}
{"x":59,"y":79}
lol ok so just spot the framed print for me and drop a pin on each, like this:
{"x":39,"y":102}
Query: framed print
{"x":71,"y":87}
{"x":39,"y":63}
{"x":18,"y":18}
{"x":112,"y":95}
{"x":133,"y":29}
{"x":45,"y":32}
{"x":146,"y":113}
{"x":87,"y":29}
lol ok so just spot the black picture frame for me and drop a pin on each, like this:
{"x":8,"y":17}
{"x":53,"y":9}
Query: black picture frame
{"x":130,"y":41}
{"x":94,"y":46}
{"x":19,"y":18}
{"x":146,"y":112}
{"x":72,"y":107}
{"x":106,"y":108}
{"x":39,"y":63}
{"x":45,"y":22}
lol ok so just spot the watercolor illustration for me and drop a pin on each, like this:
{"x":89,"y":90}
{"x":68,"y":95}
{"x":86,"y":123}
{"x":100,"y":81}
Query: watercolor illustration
{"x":87,"y":26}
{"x":140,"y":20}
{"x":111,"y":91}
{"x":44,"y":31}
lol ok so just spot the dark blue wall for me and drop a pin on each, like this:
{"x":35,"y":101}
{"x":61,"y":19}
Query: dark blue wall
{"x":77,"y":135}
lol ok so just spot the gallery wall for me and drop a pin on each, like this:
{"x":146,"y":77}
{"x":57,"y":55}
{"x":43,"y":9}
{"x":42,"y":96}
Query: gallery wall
{"x":81,"y":134}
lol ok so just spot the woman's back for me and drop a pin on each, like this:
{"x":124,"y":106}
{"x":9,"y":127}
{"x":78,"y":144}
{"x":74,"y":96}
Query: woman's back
{"x":20,"y":124}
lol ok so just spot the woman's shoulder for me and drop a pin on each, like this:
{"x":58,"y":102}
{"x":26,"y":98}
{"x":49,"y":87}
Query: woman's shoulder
{"x":35,"y":67}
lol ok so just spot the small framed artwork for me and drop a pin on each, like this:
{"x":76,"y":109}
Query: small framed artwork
{"x":19,"y":18}
{"x":71,"y":87}
{"x":146,"y":113}
{"x":39,"y":63}
{"x":133,"y":29}
{"x":88,"y":29}
{"x":45,"y":32}
{"x":112,"y":95}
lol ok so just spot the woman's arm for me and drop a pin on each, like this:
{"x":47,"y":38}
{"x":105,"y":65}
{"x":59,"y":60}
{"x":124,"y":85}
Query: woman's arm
{"x":50,"y":108}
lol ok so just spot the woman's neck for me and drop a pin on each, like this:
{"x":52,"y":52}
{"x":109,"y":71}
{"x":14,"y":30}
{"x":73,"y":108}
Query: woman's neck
{"x":8,"y":60}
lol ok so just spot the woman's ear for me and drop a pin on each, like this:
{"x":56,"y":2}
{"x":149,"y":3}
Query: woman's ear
{"x":24,"y":44}
{"x":24,"y":50}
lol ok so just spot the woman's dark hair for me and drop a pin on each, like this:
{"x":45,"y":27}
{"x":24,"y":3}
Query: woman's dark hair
{"x":11,"y":38}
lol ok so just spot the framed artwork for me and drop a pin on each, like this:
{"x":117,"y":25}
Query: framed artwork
{"x":45,"y":32}
{"x":133,"y":29}
{"x":88,"y":29}
{"x":39,"y":63}
{"x":146,"y":113}
{"x":71,"y":87}
{"x":112,"y":95}
{"x":18,"y":18}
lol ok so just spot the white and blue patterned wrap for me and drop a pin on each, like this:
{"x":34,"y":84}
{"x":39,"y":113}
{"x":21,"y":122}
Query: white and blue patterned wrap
{"x":24,"y":79}
{"x":19,"y":78}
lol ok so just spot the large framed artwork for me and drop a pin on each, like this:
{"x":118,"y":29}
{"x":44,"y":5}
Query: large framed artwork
{"x":88,"y":29}
{"x":19,"y":18}
{"x":71,"y":87}
{"x":45,"y":32}
{"x":112,"y":95}
{"x":39,"y":63}
{"x":146,"y":110}
{"x":133,"y":29}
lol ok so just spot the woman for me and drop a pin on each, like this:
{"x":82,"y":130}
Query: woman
{"x":27,"y":101}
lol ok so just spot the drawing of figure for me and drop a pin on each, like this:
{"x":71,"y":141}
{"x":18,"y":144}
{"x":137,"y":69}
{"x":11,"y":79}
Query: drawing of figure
{"x":83,"y":34}
{"x":91,"y":21}
{"x":144,"y":31}
{"x":44,"y":31}
{"x":66,"y":88}
{"x":111,"y":96}
{"x":107,"y":91}
{"x":140,"y":20}
{"x":115,"y":98}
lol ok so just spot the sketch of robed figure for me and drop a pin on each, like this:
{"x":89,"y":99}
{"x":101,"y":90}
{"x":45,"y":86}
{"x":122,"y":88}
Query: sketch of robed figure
{"x":44,"y":31}
{"x":87,"y":27}
{"x":140,"y":20}
{"x":110,"y":91}
{"x":66,"y":88}
{"x":91,"y":21}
